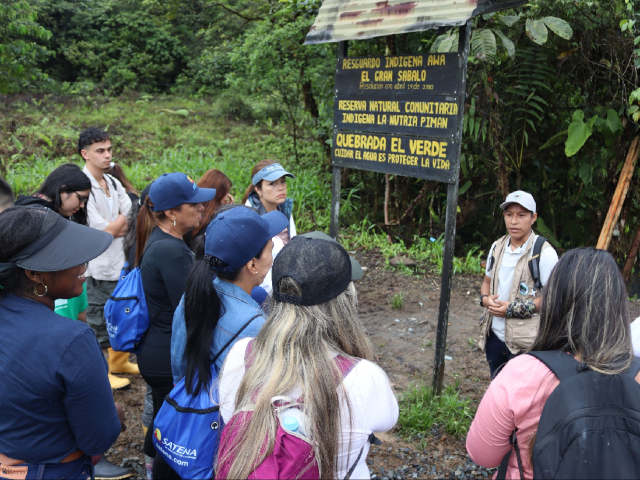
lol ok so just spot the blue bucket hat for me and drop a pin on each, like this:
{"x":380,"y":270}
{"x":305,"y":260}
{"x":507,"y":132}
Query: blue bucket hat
{"x":173,"y":189}
{"x":270,"y":173}
{"x":236,"y":236}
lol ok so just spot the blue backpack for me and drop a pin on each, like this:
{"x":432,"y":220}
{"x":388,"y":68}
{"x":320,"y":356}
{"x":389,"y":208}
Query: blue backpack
{"x":126,"y":313}
{"x":187,"y":428}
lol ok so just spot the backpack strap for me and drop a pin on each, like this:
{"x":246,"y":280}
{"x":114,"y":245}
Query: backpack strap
{"x":534,"y":261}
{"x":561,"y":364}
{"x":233,"y":338}
{"x":504,"y":464}
{"x":373,"y":440}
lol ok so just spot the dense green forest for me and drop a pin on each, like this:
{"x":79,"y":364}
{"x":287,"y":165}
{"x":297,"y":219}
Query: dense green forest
{"x":553,"y":97}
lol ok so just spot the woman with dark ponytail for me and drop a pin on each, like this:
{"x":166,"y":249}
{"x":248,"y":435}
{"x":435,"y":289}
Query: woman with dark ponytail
{"x":238,"y":249}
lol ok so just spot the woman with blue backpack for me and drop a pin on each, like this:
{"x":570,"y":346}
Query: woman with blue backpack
{"x":570,"y":408}
{"x":214,"y":313}
{"x":172,"y":209}
{"x":303,"y":398}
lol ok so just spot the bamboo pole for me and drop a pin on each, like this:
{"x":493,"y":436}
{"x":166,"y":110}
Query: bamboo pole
{"x":619,"y":196}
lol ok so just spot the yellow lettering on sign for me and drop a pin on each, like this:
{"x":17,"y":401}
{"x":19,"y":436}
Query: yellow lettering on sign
{"x":436,"y":60}
{"x":383,"y":76}
{"x":405,"y":61}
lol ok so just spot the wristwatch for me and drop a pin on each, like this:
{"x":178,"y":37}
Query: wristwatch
{"x":481,"y":297}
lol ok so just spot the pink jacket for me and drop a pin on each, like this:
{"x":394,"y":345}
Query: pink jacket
{"x":514,"y":399}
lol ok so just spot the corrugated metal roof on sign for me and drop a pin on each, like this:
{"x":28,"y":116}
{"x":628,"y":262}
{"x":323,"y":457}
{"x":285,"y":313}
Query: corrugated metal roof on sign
{"x":339,"y":20}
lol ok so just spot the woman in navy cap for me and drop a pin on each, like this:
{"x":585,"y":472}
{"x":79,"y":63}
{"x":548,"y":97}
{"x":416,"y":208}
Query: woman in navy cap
{"x":173,"y":208}
{"x":268,"y":193}
{"x":238,"y":249}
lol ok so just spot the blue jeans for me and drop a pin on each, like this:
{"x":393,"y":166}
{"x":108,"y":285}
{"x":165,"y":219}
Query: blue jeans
{"x":79,"y":469}
{"x":497,"y":353}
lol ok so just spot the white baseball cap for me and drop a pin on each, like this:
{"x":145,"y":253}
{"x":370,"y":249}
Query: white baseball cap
{"x":521,"y":198}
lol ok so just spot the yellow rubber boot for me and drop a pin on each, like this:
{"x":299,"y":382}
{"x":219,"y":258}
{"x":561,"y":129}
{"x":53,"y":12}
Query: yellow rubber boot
{"x":116,"y":382}
{"x":119,"y":363}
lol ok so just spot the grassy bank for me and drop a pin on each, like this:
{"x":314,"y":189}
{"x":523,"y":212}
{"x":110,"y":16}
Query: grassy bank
{"x":154,"y":135}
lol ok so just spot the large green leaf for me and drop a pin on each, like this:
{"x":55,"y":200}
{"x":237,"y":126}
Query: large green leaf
{"x":509,"y":20}
{"x":555,"y":140}
{"x":558,"y":26}
{"x":506,"y":41}
{"x":585,"y":172}
{"x":610,"y":127}
{"x":579,"y":132}
{"x":536,"y":31}
{"x":483,"y":44}
{"x":448,"y":44}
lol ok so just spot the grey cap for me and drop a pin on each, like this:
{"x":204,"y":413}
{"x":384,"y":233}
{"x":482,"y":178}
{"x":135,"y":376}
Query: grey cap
{"x":356,"y":269}
{"x":521,"y":198}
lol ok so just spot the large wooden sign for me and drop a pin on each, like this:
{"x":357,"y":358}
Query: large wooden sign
{"x":412,"y":105}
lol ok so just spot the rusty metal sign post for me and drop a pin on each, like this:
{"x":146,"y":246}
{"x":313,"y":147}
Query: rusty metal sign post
{"x":403,"y":115}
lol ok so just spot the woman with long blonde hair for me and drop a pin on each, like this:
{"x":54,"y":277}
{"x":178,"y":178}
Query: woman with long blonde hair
{"x":312,"y":322}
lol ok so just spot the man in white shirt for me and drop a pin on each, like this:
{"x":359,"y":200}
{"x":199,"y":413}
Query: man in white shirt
{"x":513,"y":295}
{"x":107,"y":209}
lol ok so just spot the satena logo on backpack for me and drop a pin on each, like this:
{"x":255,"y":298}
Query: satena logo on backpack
{"x":190,"y":425}
{"x":293,"y":454}
{"x":590,"y":424}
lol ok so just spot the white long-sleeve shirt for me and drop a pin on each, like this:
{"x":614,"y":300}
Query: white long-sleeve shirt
{"x":101,"y":211}
{"x":374,"y":407}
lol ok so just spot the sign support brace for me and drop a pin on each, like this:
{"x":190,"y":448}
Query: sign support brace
{"x":450,"y":227}
{"x":336,"y":179}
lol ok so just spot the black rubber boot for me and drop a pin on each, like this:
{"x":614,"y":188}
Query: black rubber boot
{"x":105,"y":470}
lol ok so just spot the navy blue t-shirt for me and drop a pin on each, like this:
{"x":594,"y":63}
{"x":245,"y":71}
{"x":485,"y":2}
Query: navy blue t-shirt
{"x":55,"y":397}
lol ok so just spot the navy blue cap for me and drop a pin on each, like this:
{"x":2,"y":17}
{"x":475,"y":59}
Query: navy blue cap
{"x":270,"y":173}
{"x":173,"y":189}
{"x":239,"y":234}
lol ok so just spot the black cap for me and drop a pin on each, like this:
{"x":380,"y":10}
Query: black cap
{"x":322,"y":269}
{"x":61,"y":244}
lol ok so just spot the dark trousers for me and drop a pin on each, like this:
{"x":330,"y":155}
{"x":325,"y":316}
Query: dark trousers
{"x":98,"y":292}
{"x":497,"y":353}
{"x":160,"y":388}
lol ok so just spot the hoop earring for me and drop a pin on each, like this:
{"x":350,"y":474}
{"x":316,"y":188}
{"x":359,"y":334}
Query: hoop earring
{"x":35,"y":289}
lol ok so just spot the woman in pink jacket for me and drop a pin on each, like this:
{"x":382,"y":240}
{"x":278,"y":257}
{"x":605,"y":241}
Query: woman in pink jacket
{"x":584,"y":313}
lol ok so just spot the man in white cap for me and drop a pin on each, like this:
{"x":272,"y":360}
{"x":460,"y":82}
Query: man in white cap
{"x":518,"y":267}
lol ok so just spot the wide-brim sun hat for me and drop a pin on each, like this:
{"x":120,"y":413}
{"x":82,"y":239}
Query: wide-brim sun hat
{"x":321,"y":268}
{"x":173,"y":189}
{"x":236,"y":236}
{"x":62,"y":244}
{"x":270,"y":173}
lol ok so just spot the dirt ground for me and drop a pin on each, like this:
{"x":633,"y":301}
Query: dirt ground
{"x":404,"y":340}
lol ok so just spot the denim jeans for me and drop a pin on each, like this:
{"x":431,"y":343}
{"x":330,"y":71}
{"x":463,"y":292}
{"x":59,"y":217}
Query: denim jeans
{"x":497,"y":353}
{"x":79,"y":469}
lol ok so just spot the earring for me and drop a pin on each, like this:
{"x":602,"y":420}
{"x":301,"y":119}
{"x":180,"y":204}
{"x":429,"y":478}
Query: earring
{"x":174,"y":223}
{"x":35,"y":289}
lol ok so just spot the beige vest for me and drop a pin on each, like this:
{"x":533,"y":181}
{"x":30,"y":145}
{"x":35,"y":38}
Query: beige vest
{"x":519,"y":333}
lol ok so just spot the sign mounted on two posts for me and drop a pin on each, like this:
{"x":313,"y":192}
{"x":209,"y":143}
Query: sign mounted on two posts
{"x":399,"y":114}
{"x":402,"y":115}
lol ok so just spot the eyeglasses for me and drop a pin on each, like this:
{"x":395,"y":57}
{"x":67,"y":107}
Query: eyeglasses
{"x":82,"y":198}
